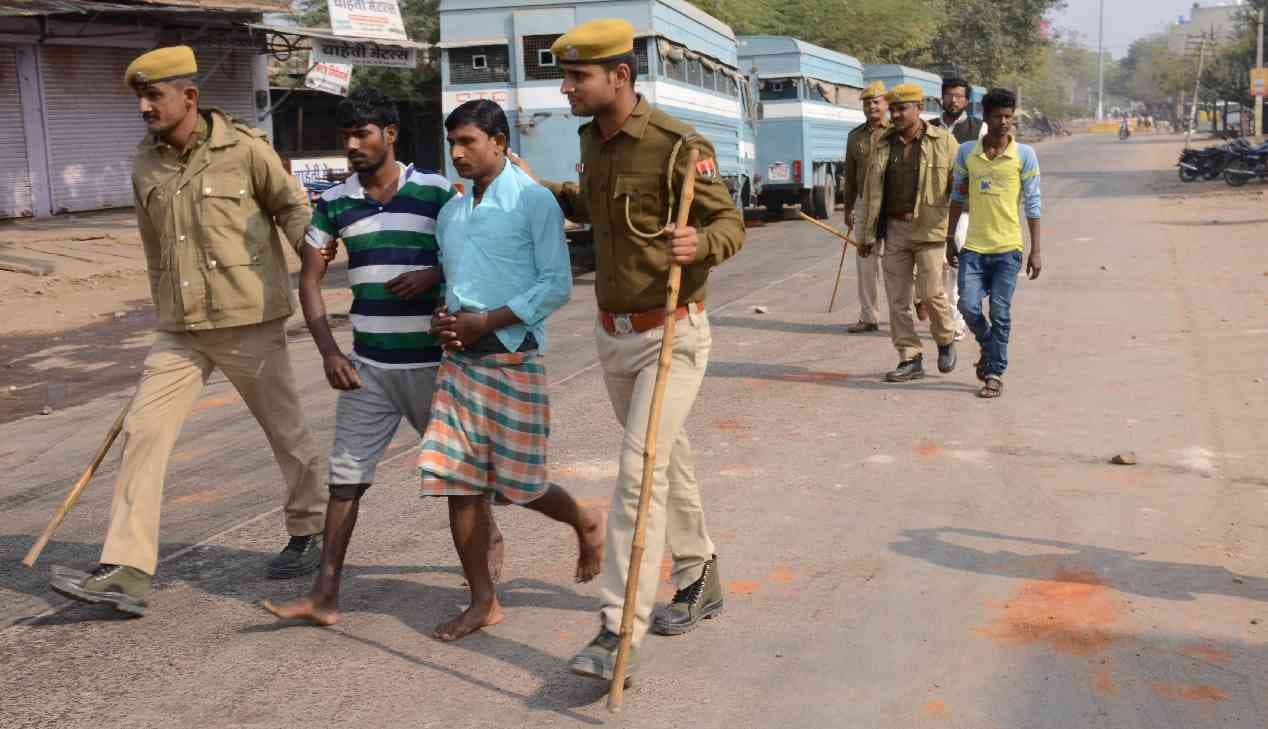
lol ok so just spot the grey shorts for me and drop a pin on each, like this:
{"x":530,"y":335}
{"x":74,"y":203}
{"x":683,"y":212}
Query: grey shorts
{"x":366,"y":419}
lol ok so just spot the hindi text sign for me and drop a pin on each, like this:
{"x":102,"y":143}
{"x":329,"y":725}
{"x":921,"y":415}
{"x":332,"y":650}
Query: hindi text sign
{"x":333,"y":78}
{"x":366,"y":18}
{"x":363,"y":53}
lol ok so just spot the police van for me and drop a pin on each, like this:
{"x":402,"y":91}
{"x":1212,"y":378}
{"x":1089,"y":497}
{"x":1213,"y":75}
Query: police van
{"x":808,"y":103}
{"x":892,"y":74}
{"x":687,"y":65}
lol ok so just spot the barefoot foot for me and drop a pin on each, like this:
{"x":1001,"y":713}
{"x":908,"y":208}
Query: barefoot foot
{"x":590,"y":542}
{"x":471,"y":620}
{"x":303,"y":609}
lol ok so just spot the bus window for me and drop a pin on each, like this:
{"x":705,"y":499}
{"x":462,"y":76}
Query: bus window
{"x":775,"y":89}
{"x":479,"y":65}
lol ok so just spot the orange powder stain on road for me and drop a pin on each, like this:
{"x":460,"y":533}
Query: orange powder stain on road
{"x":743,"y":587}
{"x":198,"y":497}
{"x":217,"y":401}
{"x":1073,"y":613}
{"x":782,"y":574}
{"x":927,"y":449}
{"x":1199,"y":692}
{"x":1103,"y":682}
{"x":937,"y":709}
{"x":730,"y":425}
{"x":1204,"y":652}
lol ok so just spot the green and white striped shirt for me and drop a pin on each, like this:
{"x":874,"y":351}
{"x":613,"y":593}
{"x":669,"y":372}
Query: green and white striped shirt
{"x":383,"y":242}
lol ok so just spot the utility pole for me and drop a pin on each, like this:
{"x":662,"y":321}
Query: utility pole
{"x":1197,"y":91}
{"x":1100,"y":66}
{"x":1259,"y":89}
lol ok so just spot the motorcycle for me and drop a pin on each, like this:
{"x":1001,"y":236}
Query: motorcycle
{"x":1246,"y":164}
{"x":1208,"y":163}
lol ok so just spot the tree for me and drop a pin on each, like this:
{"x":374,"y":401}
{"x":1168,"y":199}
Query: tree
{"x":986,"y":40}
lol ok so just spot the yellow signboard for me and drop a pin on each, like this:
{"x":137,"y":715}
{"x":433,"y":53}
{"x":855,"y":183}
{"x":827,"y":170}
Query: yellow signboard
{"x":1259,"y":82}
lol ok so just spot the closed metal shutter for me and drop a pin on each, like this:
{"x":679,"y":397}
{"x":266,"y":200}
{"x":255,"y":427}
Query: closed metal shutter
{"x":15,"y":173}
{"x":231,"y":83}
{"x":93,"y":126}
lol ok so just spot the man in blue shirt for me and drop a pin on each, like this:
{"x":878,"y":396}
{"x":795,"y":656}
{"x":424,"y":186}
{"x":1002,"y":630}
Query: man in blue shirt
{"x":506,"y":269}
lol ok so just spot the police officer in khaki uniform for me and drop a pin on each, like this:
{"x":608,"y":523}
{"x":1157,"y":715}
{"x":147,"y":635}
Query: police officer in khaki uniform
{"x":908,"y":196}
{"x":634,"y":158}
{"x":210,"y":195}
{"x":858,"y":146}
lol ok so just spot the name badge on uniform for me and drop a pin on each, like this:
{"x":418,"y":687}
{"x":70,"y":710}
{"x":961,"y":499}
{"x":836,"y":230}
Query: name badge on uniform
{"x":707,"y":168}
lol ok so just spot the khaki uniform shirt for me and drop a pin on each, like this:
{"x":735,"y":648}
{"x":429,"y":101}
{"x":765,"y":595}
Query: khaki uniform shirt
{"x":857,"y":147}
{"x":209,"y":218}
{"x":623,"y":182}
{"x":902,"y":175}
{"x":933,"y":184}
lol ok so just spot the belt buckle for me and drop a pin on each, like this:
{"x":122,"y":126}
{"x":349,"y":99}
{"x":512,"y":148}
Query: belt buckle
{"x":622,"y":323}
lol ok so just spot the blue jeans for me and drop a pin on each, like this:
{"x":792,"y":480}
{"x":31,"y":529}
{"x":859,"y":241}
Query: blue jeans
{"x":991,"y":275}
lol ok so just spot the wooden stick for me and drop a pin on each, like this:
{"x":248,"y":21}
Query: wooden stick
{"x":77,"y":489}
{"x":845,"y":247}
{"x":616,"y":693}
{"x":843,"y":236}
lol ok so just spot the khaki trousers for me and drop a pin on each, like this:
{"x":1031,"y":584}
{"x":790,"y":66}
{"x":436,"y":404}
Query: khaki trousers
{"x":903,"y":258}
{"x":869,"y":273}
{"x":255,"y":359}
{"x":676,"y":515}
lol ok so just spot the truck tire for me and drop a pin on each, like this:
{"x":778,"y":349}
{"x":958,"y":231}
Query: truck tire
{"x":819,"y":201}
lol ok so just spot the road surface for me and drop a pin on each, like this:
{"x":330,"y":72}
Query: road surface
{"x":894,"y":555}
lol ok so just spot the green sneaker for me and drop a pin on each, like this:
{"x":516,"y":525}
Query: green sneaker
{"x":598,"y":660}
{"x":301,"y":556}
{"x":122,"y":587}
{"x":698,"y":601}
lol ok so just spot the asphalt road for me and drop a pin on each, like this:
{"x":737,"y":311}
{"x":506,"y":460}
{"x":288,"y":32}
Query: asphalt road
{"x":894,"y":555}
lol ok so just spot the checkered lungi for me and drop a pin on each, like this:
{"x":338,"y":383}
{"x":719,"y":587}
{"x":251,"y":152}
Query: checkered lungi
{"x":489,"y":423}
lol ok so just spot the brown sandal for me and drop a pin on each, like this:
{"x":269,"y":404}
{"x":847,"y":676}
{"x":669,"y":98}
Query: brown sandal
{"x":993,"y":388}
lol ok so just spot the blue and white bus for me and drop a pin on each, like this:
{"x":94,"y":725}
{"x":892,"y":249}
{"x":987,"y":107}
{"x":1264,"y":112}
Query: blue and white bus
{"x":892,"y":74}
{"x":500,"y":50}
{"x":976,"y":94}
{"x":809,"y":102}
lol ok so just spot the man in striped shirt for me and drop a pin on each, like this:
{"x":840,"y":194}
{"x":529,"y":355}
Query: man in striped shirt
{"x":385,"y":215}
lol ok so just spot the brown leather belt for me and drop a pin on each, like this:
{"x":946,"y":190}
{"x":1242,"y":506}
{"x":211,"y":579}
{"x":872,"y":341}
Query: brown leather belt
{"x":642,"y":321}
{"x":904,"y":217}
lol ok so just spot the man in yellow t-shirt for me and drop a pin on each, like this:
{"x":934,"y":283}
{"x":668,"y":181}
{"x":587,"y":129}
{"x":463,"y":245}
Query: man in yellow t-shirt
{"x":997,"y":177}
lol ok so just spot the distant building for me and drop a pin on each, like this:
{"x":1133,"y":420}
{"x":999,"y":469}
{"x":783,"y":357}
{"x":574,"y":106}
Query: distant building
{"x":1216,"y":20}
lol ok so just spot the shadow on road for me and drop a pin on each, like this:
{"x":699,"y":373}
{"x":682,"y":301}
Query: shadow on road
{"x":789,"y":327}
{"x":1124,"y":571}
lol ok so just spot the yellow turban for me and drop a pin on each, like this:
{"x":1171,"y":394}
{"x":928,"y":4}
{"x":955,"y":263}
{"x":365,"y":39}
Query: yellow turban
{"x":595,"y":41}
{"x":160,"y":64}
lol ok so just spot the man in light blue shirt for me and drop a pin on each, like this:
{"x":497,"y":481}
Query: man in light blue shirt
{"x":506,"y":270}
